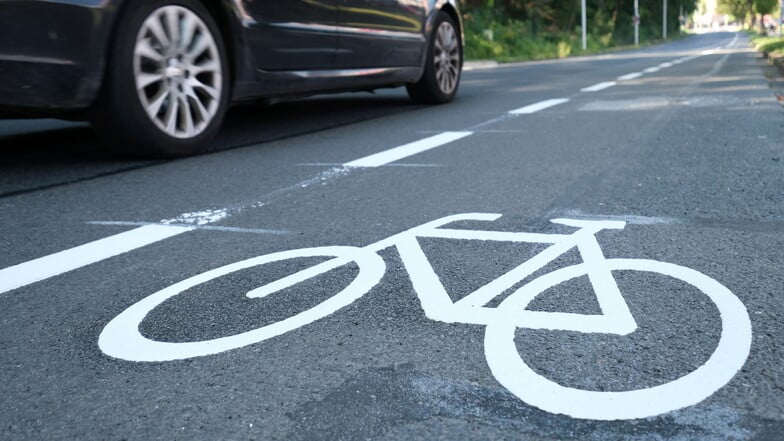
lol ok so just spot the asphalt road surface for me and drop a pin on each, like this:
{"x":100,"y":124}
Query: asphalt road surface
{"x":135,"y":296}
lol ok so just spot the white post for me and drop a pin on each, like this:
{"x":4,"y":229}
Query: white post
{"x":636,"y":22}
{"x":664,"y":19}
{"x":584,"y":22}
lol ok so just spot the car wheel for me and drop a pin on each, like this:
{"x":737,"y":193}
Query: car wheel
{"x":167,"y":82}
{"x":443,"y":64}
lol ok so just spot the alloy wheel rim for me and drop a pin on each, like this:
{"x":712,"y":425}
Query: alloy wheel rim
{"x":178,"y":72}
{"x":447,"y":58}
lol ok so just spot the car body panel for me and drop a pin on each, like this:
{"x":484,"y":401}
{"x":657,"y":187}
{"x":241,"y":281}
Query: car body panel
{"x":53,"y":53}
{"x":381,"y":32}
{"x":290,"y":35}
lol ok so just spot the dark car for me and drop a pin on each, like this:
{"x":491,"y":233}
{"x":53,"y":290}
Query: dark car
{"x":156,"y":77}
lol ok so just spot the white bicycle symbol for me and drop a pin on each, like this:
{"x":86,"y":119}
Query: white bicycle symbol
{"x":122,"y":339}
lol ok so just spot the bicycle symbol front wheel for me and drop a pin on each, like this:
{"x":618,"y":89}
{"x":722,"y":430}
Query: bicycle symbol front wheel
{"x":121,"y":337}
{"x":729,"y":357}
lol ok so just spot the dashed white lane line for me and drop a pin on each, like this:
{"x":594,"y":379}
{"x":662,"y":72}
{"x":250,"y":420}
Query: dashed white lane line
{"x":45,"y":267}
{"x":652,"y":69}
{"x":599,"y":87}
{"x":404,"y":151}
{"x":533,"y":108}
{"x":55,"y":264}
{"x":630,"y":76}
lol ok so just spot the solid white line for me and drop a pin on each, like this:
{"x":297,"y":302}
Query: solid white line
{"x":630,"y":76}
{"x":404,"y":151}
{"x":42,"y":268}
{"x":599,"y":87}
{"x":533,"y":108}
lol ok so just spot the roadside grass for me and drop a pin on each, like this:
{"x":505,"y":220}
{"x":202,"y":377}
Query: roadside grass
{"x":772,"y":45}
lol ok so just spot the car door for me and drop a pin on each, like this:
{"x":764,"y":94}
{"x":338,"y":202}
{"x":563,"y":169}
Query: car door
{"x":292,"y":34}
{"x":381,"y":33}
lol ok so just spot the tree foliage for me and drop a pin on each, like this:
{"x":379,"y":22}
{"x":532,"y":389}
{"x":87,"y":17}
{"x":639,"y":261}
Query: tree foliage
{"x":606,"y":19}
{"x":747,"y":9}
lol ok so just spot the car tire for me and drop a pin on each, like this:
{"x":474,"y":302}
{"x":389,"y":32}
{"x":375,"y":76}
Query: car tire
{"x":166,"y":87}
{"x":443,"y":64}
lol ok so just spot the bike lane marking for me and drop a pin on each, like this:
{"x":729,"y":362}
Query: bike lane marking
{"x":122,"y":339}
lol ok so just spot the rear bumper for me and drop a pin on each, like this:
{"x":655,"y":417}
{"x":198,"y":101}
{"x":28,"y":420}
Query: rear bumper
{"x":52,"y":54}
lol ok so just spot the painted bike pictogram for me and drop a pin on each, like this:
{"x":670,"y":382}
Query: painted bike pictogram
{"x":122,"y":339}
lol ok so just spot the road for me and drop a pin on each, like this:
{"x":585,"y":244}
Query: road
{"x":675,"y":149}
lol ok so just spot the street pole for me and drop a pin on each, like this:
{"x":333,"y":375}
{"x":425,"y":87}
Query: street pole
{"x":636,"y":22}
{"x":664,"y":19}
{"x":584,"y":23}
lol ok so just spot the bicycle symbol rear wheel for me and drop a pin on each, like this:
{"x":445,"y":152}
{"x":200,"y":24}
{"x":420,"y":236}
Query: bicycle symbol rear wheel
{"x":121,"y":337}
{"x":728,"y":358}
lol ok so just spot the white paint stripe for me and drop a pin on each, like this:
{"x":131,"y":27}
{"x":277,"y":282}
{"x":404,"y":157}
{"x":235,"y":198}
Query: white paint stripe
{"x":52,"y":265}
{"x":599,"y":87}
{"x":404,"y":151}
{"x":533,"y":108}
{"x":652,"y":69}
{"x":630,"y":76}
{"x":665,"y":65}
{"x":626,"y":218}
{"x":709,"y":52}
{"x":200,"y":227}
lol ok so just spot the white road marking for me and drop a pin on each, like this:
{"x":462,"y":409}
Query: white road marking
{"x":199,"y":217}
{"x":410,"y":149}
{"x":533,"y":108}
{"x":652,"y":69}
{"x":398,"y":164}
{"x":630,"y":76}
{"x":598,"y":87}
{"x":199,"y":227}
{"x":122,"y":339}
{"x":665,"y":65}
{"x":52,"y":265}
{"x":627,"y":218}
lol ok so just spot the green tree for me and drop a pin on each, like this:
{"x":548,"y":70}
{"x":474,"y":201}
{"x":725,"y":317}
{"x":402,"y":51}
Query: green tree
{"x":740,"y":9}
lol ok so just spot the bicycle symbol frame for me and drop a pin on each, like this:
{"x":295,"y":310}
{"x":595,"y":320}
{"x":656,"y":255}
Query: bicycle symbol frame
{"x":122,"y":339}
